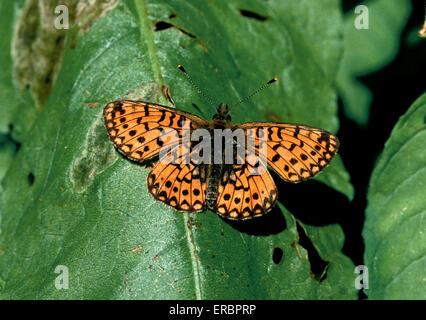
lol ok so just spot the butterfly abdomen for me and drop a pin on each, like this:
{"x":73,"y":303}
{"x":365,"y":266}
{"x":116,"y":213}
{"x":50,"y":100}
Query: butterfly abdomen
{"x":214,"y":173}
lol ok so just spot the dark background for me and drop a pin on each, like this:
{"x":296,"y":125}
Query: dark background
{"x":395,"y":87}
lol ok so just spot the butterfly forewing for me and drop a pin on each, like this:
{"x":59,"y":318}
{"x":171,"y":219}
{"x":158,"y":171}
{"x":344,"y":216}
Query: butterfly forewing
{"x":295,"y":152}
{"x":139,"y":129}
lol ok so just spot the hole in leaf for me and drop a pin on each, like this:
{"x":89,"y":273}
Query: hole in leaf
{"x":172,"y":15}
{"x":11,"y":139}
{"x":253,"y":15}
{"x":277,"y":255}
{"x":318,"y":265}
{"x":31,"y":179}
{"x":186,"y":32}
{"x":162,"y":25}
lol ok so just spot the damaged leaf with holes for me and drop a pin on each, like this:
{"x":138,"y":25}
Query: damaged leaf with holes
{"x":70,"y":199}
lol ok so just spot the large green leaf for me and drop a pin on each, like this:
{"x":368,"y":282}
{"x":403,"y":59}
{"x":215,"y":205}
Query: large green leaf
{"x":88,"y":208}
{"x":394,"y":232}
{"x":368,"y":50}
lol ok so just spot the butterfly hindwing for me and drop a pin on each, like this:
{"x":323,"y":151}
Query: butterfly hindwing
{"x":245,"y":192}
{"x":178,"y":183}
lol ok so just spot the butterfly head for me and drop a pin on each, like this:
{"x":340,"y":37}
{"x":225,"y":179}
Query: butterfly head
{"x":222,"y":113}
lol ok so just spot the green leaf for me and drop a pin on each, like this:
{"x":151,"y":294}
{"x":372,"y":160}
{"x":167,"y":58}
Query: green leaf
{"x":394,"y":230}
{"x":368,"y":50}
{"x":88,"y":207}
{"x":328,"y":241}
{"x":7,"y":152}
{"x":16,"y":105}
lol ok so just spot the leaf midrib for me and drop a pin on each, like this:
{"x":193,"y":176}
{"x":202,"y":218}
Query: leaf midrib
{"x":147,"y":37}
{"x":145,"y":30}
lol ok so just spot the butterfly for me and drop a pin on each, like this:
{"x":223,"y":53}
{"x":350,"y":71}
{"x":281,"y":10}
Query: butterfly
{"x":236,"y":190}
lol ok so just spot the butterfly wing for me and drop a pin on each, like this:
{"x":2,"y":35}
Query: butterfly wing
{"x":179,"y":183}
{"x":140,"y":129}
{"x":295,"y":152}
{"x":245,"y":192}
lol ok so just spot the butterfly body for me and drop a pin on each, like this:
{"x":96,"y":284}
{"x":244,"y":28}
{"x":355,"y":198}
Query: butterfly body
{"x":235,"y":190}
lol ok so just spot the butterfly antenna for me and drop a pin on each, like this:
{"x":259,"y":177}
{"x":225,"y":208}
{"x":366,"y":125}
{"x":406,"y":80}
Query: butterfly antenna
{"x":256,"y":92}
{"x":201,"y":93}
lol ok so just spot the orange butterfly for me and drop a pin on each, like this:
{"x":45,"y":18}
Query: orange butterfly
{"x":295,"y":152}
